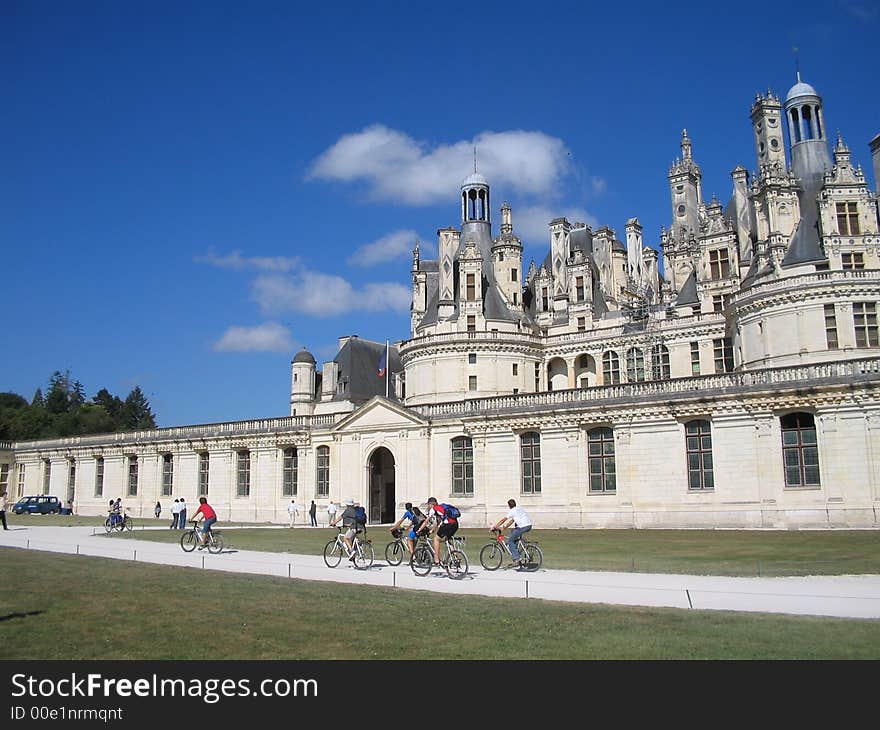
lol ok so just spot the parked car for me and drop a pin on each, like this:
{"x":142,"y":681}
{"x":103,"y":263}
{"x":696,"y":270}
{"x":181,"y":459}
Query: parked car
{"x":41,"y":504}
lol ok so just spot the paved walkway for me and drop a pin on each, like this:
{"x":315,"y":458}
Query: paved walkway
{"x":844,"y":596}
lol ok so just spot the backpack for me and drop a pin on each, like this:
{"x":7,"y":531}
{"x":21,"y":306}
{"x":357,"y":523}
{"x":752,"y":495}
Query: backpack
{"x":451,"y":511}
{"x":360,"y":515}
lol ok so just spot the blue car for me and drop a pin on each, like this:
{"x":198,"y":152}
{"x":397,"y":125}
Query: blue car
{"x":41,"y":504}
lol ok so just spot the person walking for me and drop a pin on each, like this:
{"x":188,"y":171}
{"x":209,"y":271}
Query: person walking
{"x":313,"y":514}
{"x":331,"y":512}
{"x":175,"y":514}
{"x":3,"y":504}
{"x":181,"y":519}
{"x":292,"y":512}
{"x":158,"y":509}
{"x":522,"y":523}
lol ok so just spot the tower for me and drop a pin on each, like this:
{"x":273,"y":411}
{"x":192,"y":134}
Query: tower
{"x":806,"y":132}
{"x":302,"y":384}
{"x":767,"y":127}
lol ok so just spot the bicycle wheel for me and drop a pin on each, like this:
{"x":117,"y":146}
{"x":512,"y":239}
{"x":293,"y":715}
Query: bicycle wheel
{"x":394,"y":552}
{"x":422,"y":559}
{"x":456,"y":564}
{"x":215,"y":542}
{"x":363,"y":556}
{"x":127,"y":524}
{"x":108,"y":525}
{"x":332,"y":553}
{"x":188,"y":541}
{"x":491,"y":556}
{"x":532,"y":557}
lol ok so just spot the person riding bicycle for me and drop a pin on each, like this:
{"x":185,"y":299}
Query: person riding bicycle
{"x":416,"y":517}
{"x":518,"y":517}
{"x":349,"y":521}
{"x":448,"y":525}
{"x":210,"y":517}
{"x":115,"y":511}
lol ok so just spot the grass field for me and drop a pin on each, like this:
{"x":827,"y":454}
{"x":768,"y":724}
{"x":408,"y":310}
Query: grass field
{"x":74,"y":607}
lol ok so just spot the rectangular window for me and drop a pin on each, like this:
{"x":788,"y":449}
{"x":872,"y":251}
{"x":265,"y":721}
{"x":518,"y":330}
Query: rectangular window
{"x":831,"y":327}
{"x":132,"y":476}
{"x":699,"y":455}
{"x":322,"y":481}
{"x":579,"y":288}
{"x":21,"y":480}
{"x":695,"y":357}
{"x":800,"y":450}
{"x":471,"y":323}
{"x":600,"y":450}
{"x":47,"y":475}
{"x":204,"y":466}
{"x":471,"y":294}
{"x":289,"y":480}
{"x":848,"y":219}
{"x":852,"y":261}
{"x":243,"y":473}
{"x":71,"y":480}
{"x":582,"y":324}
{"x":472,"y":382}
{"x":723,"y":348}
{"x":472,"y":358}
{"x":462,"y":467}
{"x":167,"y":475}
{"x":514,"y":275}
{"x":719,"y":264}
{"x":537,"y":377}
{"x":610,"y":368}
{"x":720,"y":302}
{"x":530,"y":462}
{"x":515,"y":369}
{"x":545,"y":299}
{"x":865,"y":321}
{"x":99,"y":476}
{"x":4,"y":478}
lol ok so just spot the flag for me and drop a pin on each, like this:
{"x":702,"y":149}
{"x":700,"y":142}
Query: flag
{"x":383,"y":363}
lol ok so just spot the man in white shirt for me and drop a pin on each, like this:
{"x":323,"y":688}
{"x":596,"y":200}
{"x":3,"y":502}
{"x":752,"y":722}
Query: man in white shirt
{"x":292,"y":512}
{"x":518,"y":517}
{"x":331,"y":512}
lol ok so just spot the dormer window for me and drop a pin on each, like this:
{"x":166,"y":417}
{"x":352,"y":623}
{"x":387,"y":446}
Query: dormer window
{"x":848,"y":219}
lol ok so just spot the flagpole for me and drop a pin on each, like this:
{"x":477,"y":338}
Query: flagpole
{"x":387,"y":368}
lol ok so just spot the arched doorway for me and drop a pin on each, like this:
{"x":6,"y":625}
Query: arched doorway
{"x":381,"y":487}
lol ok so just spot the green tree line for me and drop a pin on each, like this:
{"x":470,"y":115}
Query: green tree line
{"x":64,"y":411}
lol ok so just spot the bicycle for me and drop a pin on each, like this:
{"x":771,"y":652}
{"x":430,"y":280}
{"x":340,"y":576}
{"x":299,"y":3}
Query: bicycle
{"x":118,"y":523}
{"x":397,"y":548}
{"x":455,"y":562}
{"x":335,"y":549}
{"x":190,"y":540}
{"x":491,"y":555}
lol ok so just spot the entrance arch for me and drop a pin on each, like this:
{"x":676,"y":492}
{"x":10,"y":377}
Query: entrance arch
{"x":381,"y":486}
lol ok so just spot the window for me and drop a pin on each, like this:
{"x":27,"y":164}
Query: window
{"x":660,"y":362}
{"x":719,"y":264}
{"x":4,"y":478}
{"x":47,"y":475}
{"x":322,"y":481}
{"x":610,"y":368}
{"x":462,"y":466}
{"x":600,"y":447}
{"x":289,"y":477}
{"x":204,"y":470}
{"x":515,"y":369}
{"x":800,"y":451}
{"x":471,"y":294}
{"x":582,"y":324}
{"x":243,"y":473}
{"x":537,"y":377}
{"x":848,"y":219}
{"x":472,"y":358}
{"x":514,"y":275}
{"x":865,"y":321}
{"x":472,"y":382}
{"x":699,"y":455}
{"x":99,"y":476}
{"x":471,"y":323}
{"x":167,"y":475}
{"x":132,"y":476}
{"x":71,"y":480}
{"x":831,"y":327}
{"x":695,"y":357}
{"x":720,"y":302}
{"x":545,"y":299}
{"x":853,"y":261}
{"x":21,"y":480}
{"x":723,"y":349}
{"x":635,"y":365}
{"x":579,"y":288}
{"x":530,"y":460}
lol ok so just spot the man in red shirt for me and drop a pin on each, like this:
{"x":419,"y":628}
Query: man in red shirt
{"x":447,"y":525}
{"x":210,"y":517}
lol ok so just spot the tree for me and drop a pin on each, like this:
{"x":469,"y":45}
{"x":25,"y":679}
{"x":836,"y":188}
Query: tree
{"x":58,"y":397}
{"x":136,"y":412}
{"x":37,"y":401}
{"x":77,"y":395}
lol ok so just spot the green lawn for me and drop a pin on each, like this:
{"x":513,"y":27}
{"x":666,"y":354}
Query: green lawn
{"x":74,"y":607}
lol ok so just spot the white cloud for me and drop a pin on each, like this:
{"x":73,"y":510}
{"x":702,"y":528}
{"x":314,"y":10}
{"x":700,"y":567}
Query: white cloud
{"x":396,"y":245}
{"x":326,"y":295}
{"x":268,"y":337}
{"x":238,"y":262}
{"x":531,"y":223}
{"x":394,"y":166}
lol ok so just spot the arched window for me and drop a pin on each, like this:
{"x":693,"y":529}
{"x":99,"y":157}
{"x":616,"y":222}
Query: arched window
{"x":289,"y":480}
{"x":462,"y":466}
{"x":243,"y":473}
{"x":600,"y":449}
{"x":610,"y":367}
{"x":659,"y":362}
{"x":800,"y":450}
{"x":635,"y":365}
{"x":530,"y":460}
{"x":322,"y":473}
{"x":698,"y":436}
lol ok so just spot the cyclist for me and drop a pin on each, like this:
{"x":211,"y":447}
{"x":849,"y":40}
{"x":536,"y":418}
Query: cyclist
{"x":416,"y":518}
{"x":447,"y":525}
{"x":349,"y":520}
{"x":518,"y":517}
{"x":210,"y":517}
{"x":115,"y":511}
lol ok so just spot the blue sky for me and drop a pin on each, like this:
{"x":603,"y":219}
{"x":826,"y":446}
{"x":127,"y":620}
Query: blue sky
{"x":192,"y":192}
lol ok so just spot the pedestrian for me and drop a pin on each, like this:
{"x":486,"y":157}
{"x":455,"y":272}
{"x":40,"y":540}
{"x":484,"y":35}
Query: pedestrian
{"x":158,"y":510}
{"x":291,"y":512}
{"x":331,"y":512}
{"x":175,"y":514}
{"x":3,"y":503}
{"x":181,"y":520}
{"x":313,"y":514}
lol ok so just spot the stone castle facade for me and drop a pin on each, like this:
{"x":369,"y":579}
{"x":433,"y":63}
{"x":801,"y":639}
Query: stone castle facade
{"x":735,"y":385}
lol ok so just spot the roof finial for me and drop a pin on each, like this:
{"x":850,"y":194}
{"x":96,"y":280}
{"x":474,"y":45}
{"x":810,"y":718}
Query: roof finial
{"x":797,"y":63}
{"x":475,"y":159}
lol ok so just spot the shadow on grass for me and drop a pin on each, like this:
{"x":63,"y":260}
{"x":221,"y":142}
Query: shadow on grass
{"x":20,"y":614}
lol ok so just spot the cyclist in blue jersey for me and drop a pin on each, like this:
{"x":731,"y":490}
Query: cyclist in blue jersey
{"x":416,"y":518}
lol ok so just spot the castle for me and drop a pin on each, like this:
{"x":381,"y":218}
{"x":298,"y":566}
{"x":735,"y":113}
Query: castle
{"x":735,"y":385}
